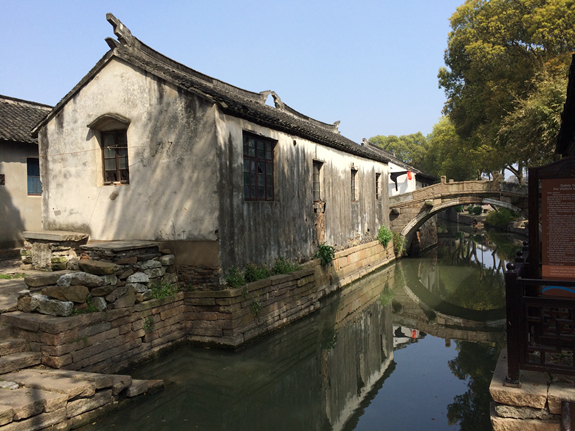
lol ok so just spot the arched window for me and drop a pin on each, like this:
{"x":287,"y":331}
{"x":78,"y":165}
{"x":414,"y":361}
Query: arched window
{"x":112,"y":129}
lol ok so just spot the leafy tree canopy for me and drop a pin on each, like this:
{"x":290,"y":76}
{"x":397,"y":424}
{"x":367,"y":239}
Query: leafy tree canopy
{"x":409,"y":149}
{"x":445,"y":156}
{"x":504,"y":60}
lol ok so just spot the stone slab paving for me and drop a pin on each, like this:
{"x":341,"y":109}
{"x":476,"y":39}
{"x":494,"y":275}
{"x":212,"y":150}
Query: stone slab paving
{"x":65,"y":385}
{"x":17,"y":361}
{"x":28,"y":402}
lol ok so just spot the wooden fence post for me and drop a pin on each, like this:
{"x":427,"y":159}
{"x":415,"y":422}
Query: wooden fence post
{"x":513,"y":304}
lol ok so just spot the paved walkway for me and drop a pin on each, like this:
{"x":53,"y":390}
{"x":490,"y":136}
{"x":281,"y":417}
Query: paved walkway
{"x":9,"y":288}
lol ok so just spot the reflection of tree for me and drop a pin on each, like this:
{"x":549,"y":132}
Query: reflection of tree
{"x":474,"y":363}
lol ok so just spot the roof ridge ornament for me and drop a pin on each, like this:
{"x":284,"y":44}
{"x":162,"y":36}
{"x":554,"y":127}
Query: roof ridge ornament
{"x":122,"y":32}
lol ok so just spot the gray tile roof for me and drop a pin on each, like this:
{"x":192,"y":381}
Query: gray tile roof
{"x":18,"y":118}
{"x":231,"y":100}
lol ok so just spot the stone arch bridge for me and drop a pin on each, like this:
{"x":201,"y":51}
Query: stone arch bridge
{"x":408,"y":211}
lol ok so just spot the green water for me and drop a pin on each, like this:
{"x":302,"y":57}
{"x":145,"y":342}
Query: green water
{"x":409,"y":347}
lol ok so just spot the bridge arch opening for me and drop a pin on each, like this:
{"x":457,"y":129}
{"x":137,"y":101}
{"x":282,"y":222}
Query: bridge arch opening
{"x":411,"y":228}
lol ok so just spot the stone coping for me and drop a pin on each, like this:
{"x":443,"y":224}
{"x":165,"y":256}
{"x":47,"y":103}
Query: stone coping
{"x":117,"y":246}
{"x":255,"y":285}
{"x":54,"y":235}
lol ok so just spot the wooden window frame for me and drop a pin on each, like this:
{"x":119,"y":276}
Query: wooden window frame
{"x":258,"y":167}
{"x":121,"y":176}
{"x":32,"y":188}
{"x":316,"y":180}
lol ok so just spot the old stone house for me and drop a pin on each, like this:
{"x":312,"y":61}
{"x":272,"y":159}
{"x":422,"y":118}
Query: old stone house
{"x":145,"y":148}
{"x":20,"y":186}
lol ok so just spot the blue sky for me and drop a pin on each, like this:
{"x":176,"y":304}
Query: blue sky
{"x":370,"y":64}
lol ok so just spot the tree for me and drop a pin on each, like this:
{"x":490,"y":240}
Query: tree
{"x":446,"y":154}
{"x":529,"y":133}
{"x":497,"y":53}
{"x":409,"y":149}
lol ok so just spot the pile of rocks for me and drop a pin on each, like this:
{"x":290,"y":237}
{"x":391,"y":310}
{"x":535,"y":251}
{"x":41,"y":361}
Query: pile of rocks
{"x":96,"y":287}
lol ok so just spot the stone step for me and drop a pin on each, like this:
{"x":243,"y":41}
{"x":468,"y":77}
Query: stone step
{"x":17,"y":361}
{"x":12,"y":345}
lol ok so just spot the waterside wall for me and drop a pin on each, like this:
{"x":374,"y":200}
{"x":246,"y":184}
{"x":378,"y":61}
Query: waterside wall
{"x":112,"y":340}
{"x":234,"y":316}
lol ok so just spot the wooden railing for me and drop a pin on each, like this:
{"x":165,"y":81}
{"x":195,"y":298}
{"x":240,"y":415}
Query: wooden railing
{"x":540,"y":329}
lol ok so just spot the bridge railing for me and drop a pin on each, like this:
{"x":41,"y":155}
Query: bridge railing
{"x":540,"y":329}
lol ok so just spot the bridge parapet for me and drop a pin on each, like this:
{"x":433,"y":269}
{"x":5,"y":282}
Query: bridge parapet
{"x":437,"y":191}
{"x":411,"y":210}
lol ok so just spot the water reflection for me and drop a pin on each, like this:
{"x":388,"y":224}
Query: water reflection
{"x":389,"y":352}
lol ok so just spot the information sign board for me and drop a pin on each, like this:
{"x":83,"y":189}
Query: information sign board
{"x":558,"y":228}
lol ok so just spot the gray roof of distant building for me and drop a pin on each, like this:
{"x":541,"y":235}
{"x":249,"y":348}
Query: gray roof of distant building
{"x":18,"y":118}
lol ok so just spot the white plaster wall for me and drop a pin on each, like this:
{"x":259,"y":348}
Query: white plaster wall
{"x":18,"y":211}
{"x":403,"y":184}
{"x":262,"y":231}
{"x":171,"y":154}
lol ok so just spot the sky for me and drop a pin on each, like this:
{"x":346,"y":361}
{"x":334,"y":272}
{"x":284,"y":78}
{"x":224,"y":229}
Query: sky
{"x":370,"y":64}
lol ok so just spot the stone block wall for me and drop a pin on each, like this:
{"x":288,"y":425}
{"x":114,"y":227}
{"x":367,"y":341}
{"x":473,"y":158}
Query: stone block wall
{"x":108,"y":341}
{"x":103,"y":341}
{"x":233,"y":316}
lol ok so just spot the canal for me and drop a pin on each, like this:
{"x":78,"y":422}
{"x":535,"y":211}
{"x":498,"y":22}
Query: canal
{"x":409,"y":347}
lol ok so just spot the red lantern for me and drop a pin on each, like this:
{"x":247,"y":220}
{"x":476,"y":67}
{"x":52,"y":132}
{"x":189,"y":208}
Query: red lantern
{"x":409,"y":176}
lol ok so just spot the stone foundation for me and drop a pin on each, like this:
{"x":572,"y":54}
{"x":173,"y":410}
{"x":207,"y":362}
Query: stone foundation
{"x":103,"y":341}
{"x":111,"y":340}
{"x":535,"y":405}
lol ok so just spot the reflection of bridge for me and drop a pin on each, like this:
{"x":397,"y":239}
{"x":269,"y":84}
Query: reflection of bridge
{"x":416,"y":307}
{"x":410,"y":210}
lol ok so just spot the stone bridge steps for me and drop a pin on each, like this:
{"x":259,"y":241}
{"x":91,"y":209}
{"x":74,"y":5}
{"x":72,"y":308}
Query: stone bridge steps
{"x":15,"y":353}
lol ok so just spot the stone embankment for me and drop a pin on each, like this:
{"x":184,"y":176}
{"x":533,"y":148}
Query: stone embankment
{"x":63,"y":325}
{"x":534,"y":406}
{"x":36,"y":398}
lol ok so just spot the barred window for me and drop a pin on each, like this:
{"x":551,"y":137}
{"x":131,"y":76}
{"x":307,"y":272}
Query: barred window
{"x":316,"y":181}
{"x":377,"y":186}
{"x":258,"y":168}
{"x":115,"y":157}
{"x":353,"y":194}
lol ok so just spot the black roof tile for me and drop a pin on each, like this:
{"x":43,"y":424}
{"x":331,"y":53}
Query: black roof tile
{"x":18,"y":118}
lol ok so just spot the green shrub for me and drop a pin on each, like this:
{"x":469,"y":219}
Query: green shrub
{"x":11,"y":276}
{"x":255,"y":272}
{"x":500,"y":218}
{"x":384,"y":235}
{"x":163,"y":290}
{"x":284,"y":266}
{"x":398,"y":242}
{"x":326,"y":253}
{"x":235,"y":278}
{"x":255,"y":307}
{"x":477,"y":210}
{"x":459,"y":209}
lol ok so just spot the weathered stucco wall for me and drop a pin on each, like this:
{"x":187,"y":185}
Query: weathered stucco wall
{"x":18,"y":211}
{"x":171,"y":149}
{"x":261,"y":231}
